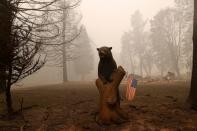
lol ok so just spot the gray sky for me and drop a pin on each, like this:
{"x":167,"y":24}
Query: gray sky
{"x":106,"y":20}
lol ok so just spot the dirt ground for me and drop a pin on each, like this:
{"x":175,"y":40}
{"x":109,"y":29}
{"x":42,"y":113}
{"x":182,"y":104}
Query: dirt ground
{"x":158,"y":106}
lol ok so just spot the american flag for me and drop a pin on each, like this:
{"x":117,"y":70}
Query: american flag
{"x":131,"y":89}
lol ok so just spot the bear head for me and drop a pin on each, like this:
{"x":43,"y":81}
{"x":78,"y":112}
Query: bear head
{"x":104,"y":52}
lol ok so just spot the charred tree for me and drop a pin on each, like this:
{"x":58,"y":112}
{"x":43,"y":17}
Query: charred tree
{"x":4,"y":33}
{"x":26,"y":28}
{"x":21,"y":41}
{"x":109,"y":106}
{"x":192,"y":99}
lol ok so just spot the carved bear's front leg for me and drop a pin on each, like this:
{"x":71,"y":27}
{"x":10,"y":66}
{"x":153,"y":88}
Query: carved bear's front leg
{"x":102,"y":78}
{"x":109,"y":79}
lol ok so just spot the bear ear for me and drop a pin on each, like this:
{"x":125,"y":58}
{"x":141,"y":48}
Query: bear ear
{"x":97,"y":49}
{"x":110,"y":48}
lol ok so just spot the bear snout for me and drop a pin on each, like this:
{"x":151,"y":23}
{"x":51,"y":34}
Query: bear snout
{"x":102,"y":54}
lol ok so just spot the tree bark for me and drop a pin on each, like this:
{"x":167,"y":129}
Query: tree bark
{"x":8,"y":93}
{"x":109,"y":106}
{"x":2,"y":79}
{"x":192,"y":99}
{"x":8,"y":101}
{"x":64,"y":62}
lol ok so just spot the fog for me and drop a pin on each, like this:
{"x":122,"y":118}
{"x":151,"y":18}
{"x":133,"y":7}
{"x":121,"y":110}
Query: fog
{"x":105,"y":21}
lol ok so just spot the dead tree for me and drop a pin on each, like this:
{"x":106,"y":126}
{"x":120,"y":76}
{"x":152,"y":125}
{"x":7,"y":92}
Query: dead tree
{"x":61,"y":50}
{"x":109,"y":106}
{"x":24,"y":28}
{"x":192,"y":98}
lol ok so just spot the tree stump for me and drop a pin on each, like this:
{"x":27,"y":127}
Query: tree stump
{"x":109,"y":104}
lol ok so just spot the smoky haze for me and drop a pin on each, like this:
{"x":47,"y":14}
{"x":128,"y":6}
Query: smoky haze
{"x":107,"y":20}
{"x":105,"y":24}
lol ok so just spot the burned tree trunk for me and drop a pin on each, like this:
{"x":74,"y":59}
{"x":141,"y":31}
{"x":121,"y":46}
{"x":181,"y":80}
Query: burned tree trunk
{"x":192,"y":99}
{"x":109,"y":106}
{"x":8,"y":101}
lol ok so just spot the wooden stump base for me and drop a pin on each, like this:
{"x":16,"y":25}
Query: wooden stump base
{"x":109,"y":106}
